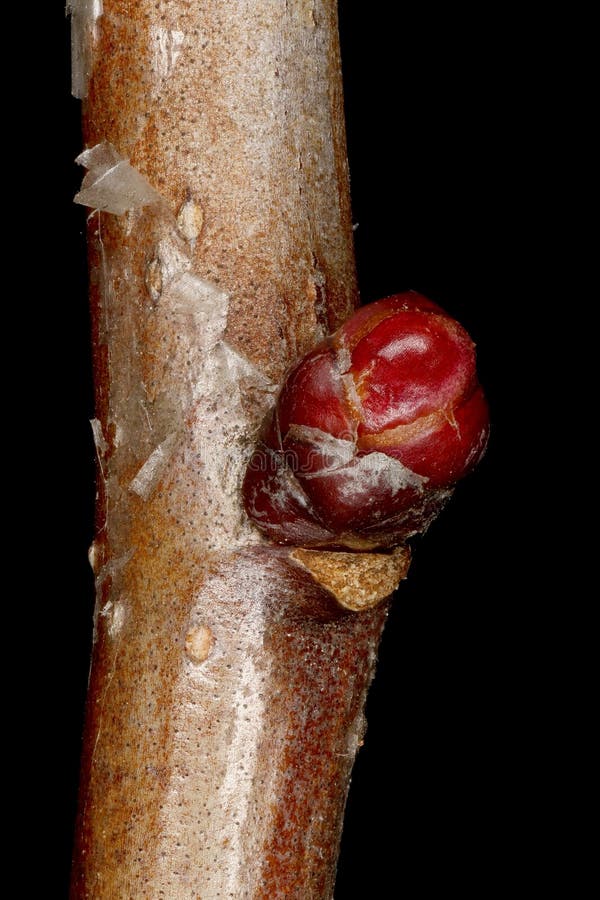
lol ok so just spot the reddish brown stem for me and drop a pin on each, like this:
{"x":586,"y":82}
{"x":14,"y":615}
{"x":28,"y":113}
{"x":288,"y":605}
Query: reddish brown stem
{"x":227,"y":686}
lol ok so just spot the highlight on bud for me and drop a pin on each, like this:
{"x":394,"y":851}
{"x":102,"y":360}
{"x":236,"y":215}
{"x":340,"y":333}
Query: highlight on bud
{"x":371,"y":431}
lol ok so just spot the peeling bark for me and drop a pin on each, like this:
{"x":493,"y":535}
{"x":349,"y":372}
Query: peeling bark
{"x":227,"y":685}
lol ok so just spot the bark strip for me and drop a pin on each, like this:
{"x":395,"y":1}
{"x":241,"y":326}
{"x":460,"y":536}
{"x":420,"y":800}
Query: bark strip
{"x":227,"y":686}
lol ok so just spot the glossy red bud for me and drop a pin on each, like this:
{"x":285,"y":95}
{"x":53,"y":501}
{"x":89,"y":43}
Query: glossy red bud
{"x":370,"y":431}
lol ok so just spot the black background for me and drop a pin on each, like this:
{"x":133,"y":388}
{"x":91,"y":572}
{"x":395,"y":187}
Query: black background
{"x":444,"y":115}
{"x":437,"y":149}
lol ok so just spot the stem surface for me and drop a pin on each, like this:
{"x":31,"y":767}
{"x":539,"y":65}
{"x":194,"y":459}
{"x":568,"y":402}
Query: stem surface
{"x":227,"y":686}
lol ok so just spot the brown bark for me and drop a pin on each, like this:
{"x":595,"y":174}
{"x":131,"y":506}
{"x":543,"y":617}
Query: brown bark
{"x":227,"y":686}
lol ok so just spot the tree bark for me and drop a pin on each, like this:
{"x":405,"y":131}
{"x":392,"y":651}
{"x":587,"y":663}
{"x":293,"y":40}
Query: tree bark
{"x":227,"y":685}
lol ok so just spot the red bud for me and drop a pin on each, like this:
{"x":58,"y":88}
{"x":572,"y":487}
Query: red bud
{"x":371,"y":430}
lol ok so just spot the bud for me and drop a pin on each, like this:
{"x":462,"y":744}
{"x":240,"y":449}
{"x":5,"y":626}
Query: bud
{"x":371,"y":431}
